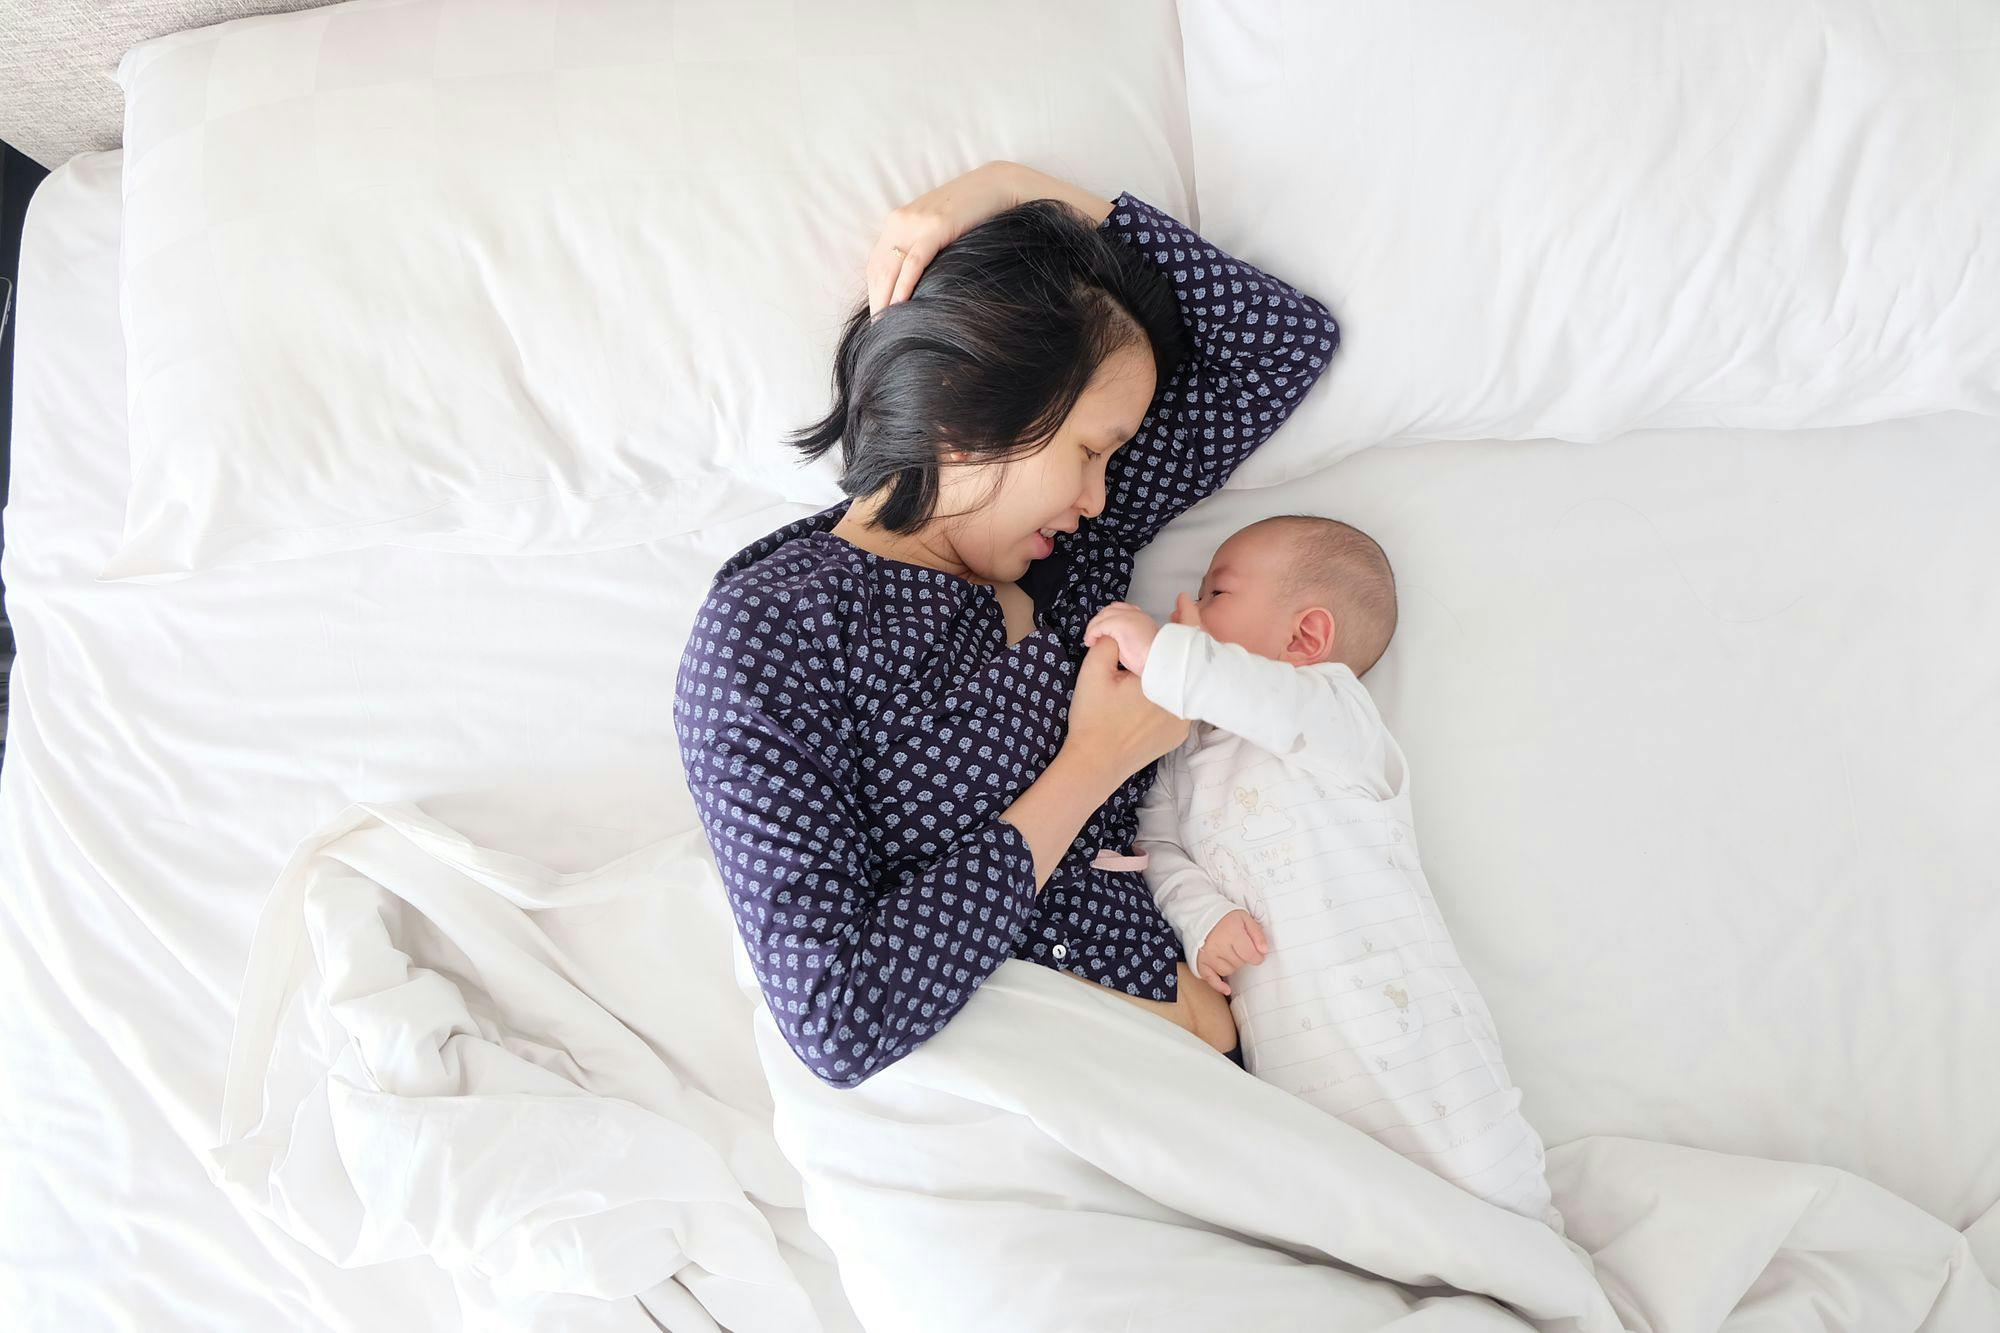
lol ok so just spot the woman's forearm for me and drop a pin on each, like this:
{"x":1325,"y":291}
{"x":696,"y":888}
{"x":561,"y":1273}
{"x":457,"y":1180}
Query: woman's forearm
{"x":1027,"y":183}
{"x":1052,"y":811}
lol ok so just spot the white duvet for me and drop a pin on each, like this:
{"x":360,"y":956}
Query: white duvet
{"x":424,"y":1063}
{"x":429,"y":1059}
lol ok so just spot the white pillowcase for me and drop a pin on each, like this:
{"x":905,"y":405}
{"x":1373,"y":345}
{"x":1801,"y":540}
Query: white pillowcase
{"x":554,"y":275}
{"x":1574,"y":219}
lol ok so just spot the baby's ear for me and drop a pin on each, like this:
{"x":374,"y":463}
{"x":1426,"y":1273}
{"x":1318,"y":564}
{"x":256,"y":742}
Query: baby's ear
{"x":1315,"y":636}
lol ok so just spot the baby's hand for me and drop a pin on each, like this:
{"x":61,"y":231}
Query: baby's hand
{"x":1127,"y":626}
{"x":1236,"y":941}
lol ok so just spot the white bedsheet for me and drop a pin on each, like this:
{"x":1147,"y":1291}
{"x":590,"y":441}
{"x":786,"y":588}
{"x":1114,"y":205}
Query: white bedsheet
{"x":1702,"y":726}
{"x":166,"y":754}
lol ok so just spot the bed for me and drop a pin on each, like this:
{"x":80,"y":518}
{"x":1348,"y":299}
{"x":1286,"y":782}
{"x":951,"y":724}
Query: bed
{"x":1701,"y":721}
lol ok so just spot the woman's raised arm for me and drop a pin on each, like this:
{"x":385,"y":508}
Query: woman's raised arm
{"x":1258,"y":345}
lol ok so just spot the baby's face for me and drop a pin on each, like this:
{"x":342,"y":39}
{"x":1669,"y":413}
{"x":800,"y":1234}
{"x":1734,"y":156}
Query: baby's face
{"x":1239,"y":598}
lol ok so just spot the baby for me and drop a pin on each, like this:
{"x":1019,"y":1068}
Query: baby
{"x":1280,"y":847}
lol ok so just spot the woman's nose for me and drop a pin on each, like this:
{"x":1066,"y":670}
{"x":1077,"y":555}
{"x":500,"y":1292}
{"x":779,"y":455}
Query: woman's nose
{"x":1093,"y":500}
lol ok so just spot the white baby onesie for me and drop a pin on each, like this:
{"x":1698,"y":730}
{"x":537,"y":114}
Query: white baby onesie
{"x":1290,"y":799}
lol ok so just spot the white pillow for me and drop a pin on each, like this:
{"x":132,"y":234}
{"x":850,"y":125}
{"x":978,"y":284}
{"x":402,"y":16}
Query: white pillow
{"x":1578,"y":219}
{"x":553,"y":275}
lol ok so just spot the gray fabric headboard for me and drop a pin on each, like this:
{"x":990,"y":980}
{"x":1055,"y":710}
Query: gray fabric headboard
{"x":58,"y":58}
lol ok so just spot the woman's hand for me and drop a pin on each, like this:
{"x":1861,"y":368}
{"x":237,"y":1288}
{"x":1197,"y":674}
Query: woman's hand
{"x":914,"y":233}
{"x":1111,"y":721}
{"x":1128,"y":627}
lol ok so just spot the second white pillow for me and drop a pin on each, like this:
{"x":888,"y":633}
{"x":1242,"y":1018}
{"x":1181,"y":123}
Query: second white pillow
{"x":1578,"y":219}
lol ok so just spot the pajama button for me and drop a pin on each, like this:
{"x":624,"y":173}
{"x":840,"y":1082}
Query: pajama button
{"x":1061,"y":951}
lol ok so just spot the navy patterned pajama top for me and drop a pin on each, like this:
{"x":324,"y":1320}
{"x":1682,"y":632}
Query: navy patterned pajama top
{"x":853,"y":726}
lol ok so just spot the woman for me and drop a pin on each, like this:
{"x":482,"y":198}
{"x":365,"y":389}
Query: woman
{"x":905,"y":761}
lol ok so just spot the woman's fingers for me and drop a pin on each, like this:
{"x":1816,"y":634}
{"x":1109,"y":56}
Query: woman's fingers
{"x":884,"y":266}
{"x":915,"y":257}
{"x":902,"y":252}
{"x":1207,"y":973}
{"x":896,"y":263}
{"x":913,"y":234}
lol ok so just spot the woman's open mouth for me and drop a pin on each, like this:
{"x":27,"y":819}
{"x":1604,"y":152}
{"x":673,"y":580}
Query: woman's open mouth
{"x":1045,"y":543}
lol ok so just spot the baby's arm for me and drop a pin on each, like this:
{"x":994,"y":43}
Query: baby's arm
{"x":1188,"y":898}
{"x":1310,"y":712}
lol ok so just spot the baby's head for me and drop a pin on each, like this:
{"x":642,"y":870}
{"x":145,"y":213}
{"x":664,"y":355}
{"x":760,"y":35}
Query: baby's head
{"x":1303,"y":590}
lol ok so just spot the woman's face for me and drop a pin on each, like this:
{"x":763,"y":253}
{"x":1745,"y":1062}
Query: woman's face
{"x":1054,"y":488}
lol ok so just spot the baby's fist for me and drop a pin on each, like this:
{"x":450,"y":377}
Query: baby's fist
{"x":1236,"y":941}
{"x":1127,"y":626}
{"x":1186,"y":612}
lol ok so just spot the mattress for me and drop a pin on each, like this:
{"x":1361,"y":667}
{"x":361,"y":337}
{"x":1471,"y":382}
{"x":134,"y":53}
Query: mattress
{"x":1700,"y":726}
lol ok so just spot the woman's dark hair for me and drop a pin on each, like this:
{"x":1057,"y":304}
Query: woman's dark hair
{"x":1001,"y":336}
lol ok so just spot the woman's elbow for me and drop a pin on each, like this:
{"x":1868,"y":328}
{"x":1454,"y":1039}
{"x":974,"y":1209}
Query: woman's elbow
{"x":1321,"y":337}
{"x":836,"y":1071}
{"x":844,"y":1082}
{"x":839,"y":1062}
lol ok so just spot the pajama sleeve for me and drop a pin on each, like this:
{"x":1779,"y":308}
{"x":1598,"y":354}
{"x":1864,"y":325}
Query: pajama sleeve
{"x":1258,"y":345}
{"x":859,"y":962}
{"x":1317,"y":716}
{"x":1188,"y":898}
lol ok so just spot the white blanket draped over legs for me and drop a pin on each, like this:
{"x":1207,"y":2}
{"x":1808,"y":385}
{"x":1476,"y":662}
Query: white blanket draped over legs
{"x":546,"y":1083}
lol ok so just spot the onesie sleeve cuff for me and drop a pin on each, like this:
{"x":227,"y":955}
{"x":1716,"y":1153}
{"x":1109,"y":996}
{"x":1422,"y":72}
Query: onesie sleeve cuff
{"x":1165,"y":677}
{"x":1194,"y":938}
